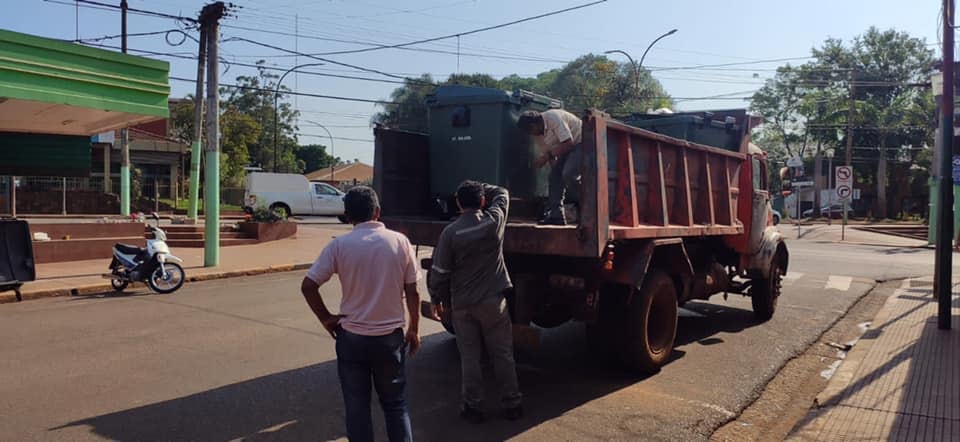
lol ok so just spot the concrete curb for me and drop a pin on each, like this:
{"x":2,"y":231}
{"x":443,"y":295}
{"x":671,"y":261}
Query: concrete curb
{"x":99,"y":288}
{"x":857,"y":243}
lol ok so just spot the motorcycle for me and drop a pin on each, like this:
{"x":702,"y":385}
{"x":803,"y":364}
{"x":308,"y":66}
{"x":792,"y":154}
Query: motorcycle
{"x":153,"y":264}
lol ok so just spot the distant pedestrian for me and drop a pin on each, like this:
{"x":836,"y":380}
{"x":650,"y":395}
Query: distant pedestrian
{"x":469,"y":277}
{"x":376,"y":267}
{"x":559,"y":137}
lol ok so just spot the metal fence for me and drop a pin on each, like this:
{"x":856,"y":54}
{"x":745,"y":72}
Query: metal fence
{"x":49,"y":194}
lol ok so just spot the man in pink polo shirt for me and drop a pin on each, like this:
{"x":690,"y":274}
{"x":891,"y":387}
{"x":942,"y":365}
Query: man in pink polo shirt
{"x":376,"y":267}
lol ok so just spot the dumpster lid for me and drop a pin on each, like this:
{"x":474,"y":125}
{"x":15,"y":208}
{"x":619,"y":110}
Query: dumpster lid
{"x":454,"y":95}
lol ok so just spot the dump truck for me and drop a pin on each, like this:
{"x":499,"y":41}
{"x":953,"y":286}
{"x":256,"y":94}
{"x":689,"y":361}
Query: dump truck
{"x":663,"y":221}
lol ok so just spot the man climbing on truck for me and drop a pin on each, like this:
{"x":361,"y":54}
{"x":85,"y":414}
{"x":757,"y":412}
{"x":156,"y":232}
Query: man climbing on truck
{"x":469,"y":276}
{"x":558,"y":135}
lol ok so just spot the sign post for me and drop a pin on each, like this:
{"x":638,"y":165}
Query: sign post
{"x":844,"y":191}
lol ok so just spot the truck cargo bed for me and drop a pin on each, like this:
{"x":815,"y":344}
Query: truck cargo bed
{"x":636,"y":184}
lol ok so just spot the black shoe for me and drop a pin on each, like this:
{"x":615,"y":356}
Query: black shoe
{"x":512,"y":414}
{"x":471,"y":415}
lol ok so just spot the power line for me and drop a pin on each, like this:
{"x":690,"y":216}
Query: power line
{"x":186,"y":56}
{"x":461,"y":34}
{"x":106,"y":6}
{"x":335,"y":138}
{"x":302,"y":94}
{"x":327,"y":60}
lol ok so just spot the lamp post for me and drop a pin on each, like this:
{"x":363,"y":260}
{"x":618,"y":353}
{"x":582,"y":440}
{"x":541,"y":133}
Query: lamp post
{"x":669,"y":33}
{"x":333,"y":162}
{"x":831,"y":191}
{"x":276,"y":111}
{"x":637,"y":66}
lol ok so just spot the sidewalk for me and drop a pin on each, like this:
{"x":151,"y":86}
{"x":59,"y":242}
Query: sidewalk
{"x":832,"y":233}
{"x":901,"y":381}
{"x":83,"y":277}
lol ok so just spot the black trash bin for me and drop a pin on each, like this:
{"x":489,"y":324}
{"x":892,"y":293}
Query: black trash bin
{"x":16,"y":255}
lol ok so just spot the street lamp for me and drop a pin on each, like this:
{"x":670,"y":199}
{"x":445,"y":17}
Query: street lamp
{"x":276,"y":111}
{"x":333,"y":159}
{"x":637,"y":66}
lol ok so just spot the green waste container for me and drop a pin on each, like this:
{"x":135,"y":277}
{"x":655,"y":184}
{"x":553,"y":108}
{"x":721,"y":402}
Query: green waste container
{"x":474,"y":135}
{"x":699,"y":128}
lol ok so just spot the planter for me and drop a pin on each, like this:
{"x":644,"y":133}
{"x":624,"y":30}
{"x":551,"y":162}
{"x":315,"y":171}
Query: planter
{"x":268,"y":231}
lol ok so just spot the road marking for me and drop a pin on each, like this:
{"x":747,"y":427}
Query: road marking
{"x":841,"y":283}
{"x":792,"y":277}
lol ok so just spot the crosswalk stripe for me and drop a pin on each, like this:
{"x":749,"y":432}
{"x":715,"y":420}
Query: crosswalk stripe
{"x":841,"y":283}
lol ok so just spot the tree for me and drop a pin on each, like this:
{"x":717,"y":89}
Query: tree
{"x":591,"y":81}
{"x":810,"y":103}
{"x":314,"y":157}
{"x":255,"y":97}
{"x":239,"y":133}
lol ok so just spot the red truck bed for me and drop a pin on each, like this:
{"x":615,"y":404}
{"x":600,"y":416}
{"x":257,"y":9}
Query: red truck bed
{"x":636,"y":184}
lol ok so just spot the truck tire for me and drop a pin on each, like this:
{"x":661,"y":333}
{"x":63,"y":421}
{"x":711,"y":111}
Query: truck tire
{"x":651,"y":327}
{"x":765,"y":292}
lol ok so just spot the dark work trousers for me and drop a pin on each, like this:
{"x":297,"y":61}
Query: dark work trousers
{"x":486,"y":324}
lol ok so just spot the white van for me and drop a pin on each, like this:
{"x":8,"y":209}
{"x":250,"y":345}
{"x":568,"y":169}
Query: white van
{"x":292,"y":194}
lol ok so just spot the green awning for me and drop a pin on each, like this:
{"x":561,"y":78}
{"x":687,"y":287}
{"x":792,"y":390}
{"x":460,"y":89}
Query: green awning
{"x":55,"y":87}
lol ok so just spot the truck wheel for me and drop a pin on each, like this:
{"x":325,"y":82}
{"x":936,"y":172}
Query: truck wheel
{"x":343,"y":219}
{"x":651,"y":327}
{"x":765,"y":292}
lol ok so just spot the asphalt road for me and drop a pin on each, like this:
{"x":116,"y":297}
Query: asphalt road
{"x":244,"y":358}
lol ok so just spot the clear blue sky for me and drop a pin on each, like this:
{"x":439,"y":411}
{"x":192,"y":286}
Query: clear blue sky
{"x":709,"y":33}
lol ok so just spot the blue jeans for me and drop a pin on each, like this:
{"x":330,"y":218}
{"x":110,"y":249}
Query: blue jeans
{"x":377,"y":361}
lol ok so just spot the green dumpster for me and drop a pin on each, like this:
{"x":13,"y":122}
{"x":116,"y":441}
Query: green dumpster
{"x":474,"y":135}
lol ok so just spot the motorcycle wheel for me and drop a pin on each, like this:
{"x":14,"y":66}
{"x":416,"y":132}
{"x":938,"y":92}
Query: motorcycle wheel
{"x":119,"y":284}
{"x":169,"y":282}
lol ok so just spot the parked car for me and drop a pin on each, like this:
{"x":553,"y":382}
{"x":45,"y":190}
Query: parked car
{"x":834,"y":210}
{"x":776,"y":216}
{"x":289,"y":194}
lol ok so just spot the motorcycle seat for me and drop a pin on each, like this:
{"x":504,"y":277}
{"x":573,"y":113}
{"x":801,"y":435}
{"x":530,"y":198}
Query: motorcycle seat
{"x":127,"y":249}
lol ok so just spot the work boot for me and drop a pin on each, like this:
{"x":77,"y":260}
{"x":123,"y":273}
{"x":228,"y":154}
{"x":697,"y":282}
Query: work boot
{"x":552,"y":218}
{"x":471,"y":414}
{"x":514,"y":413}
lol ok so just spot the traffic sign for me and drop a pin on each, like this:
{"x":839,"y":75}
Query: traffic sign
{"x":844,"y":192}
{"x":844,"y":180}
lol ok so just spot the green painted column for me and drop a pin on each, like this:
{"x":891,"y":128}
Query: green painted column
{"x":194,"y":180}
{"x":932,"y":217}
{"x":211,"y":214}
{"x":211,"y":152}
{"x":932,"y":222}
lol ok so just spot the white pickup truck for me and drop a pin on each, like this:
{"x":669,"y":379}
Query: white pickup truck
{"x":289,"y":194}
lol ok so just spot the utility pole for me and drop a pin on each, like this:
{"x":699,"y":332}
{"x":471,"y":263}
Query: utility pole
{"x":197,"y":128}
{"x":849,"y":154}
{"x":210,"y":19}
{"x":943,"y":265}
{"x":124,"y":133}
